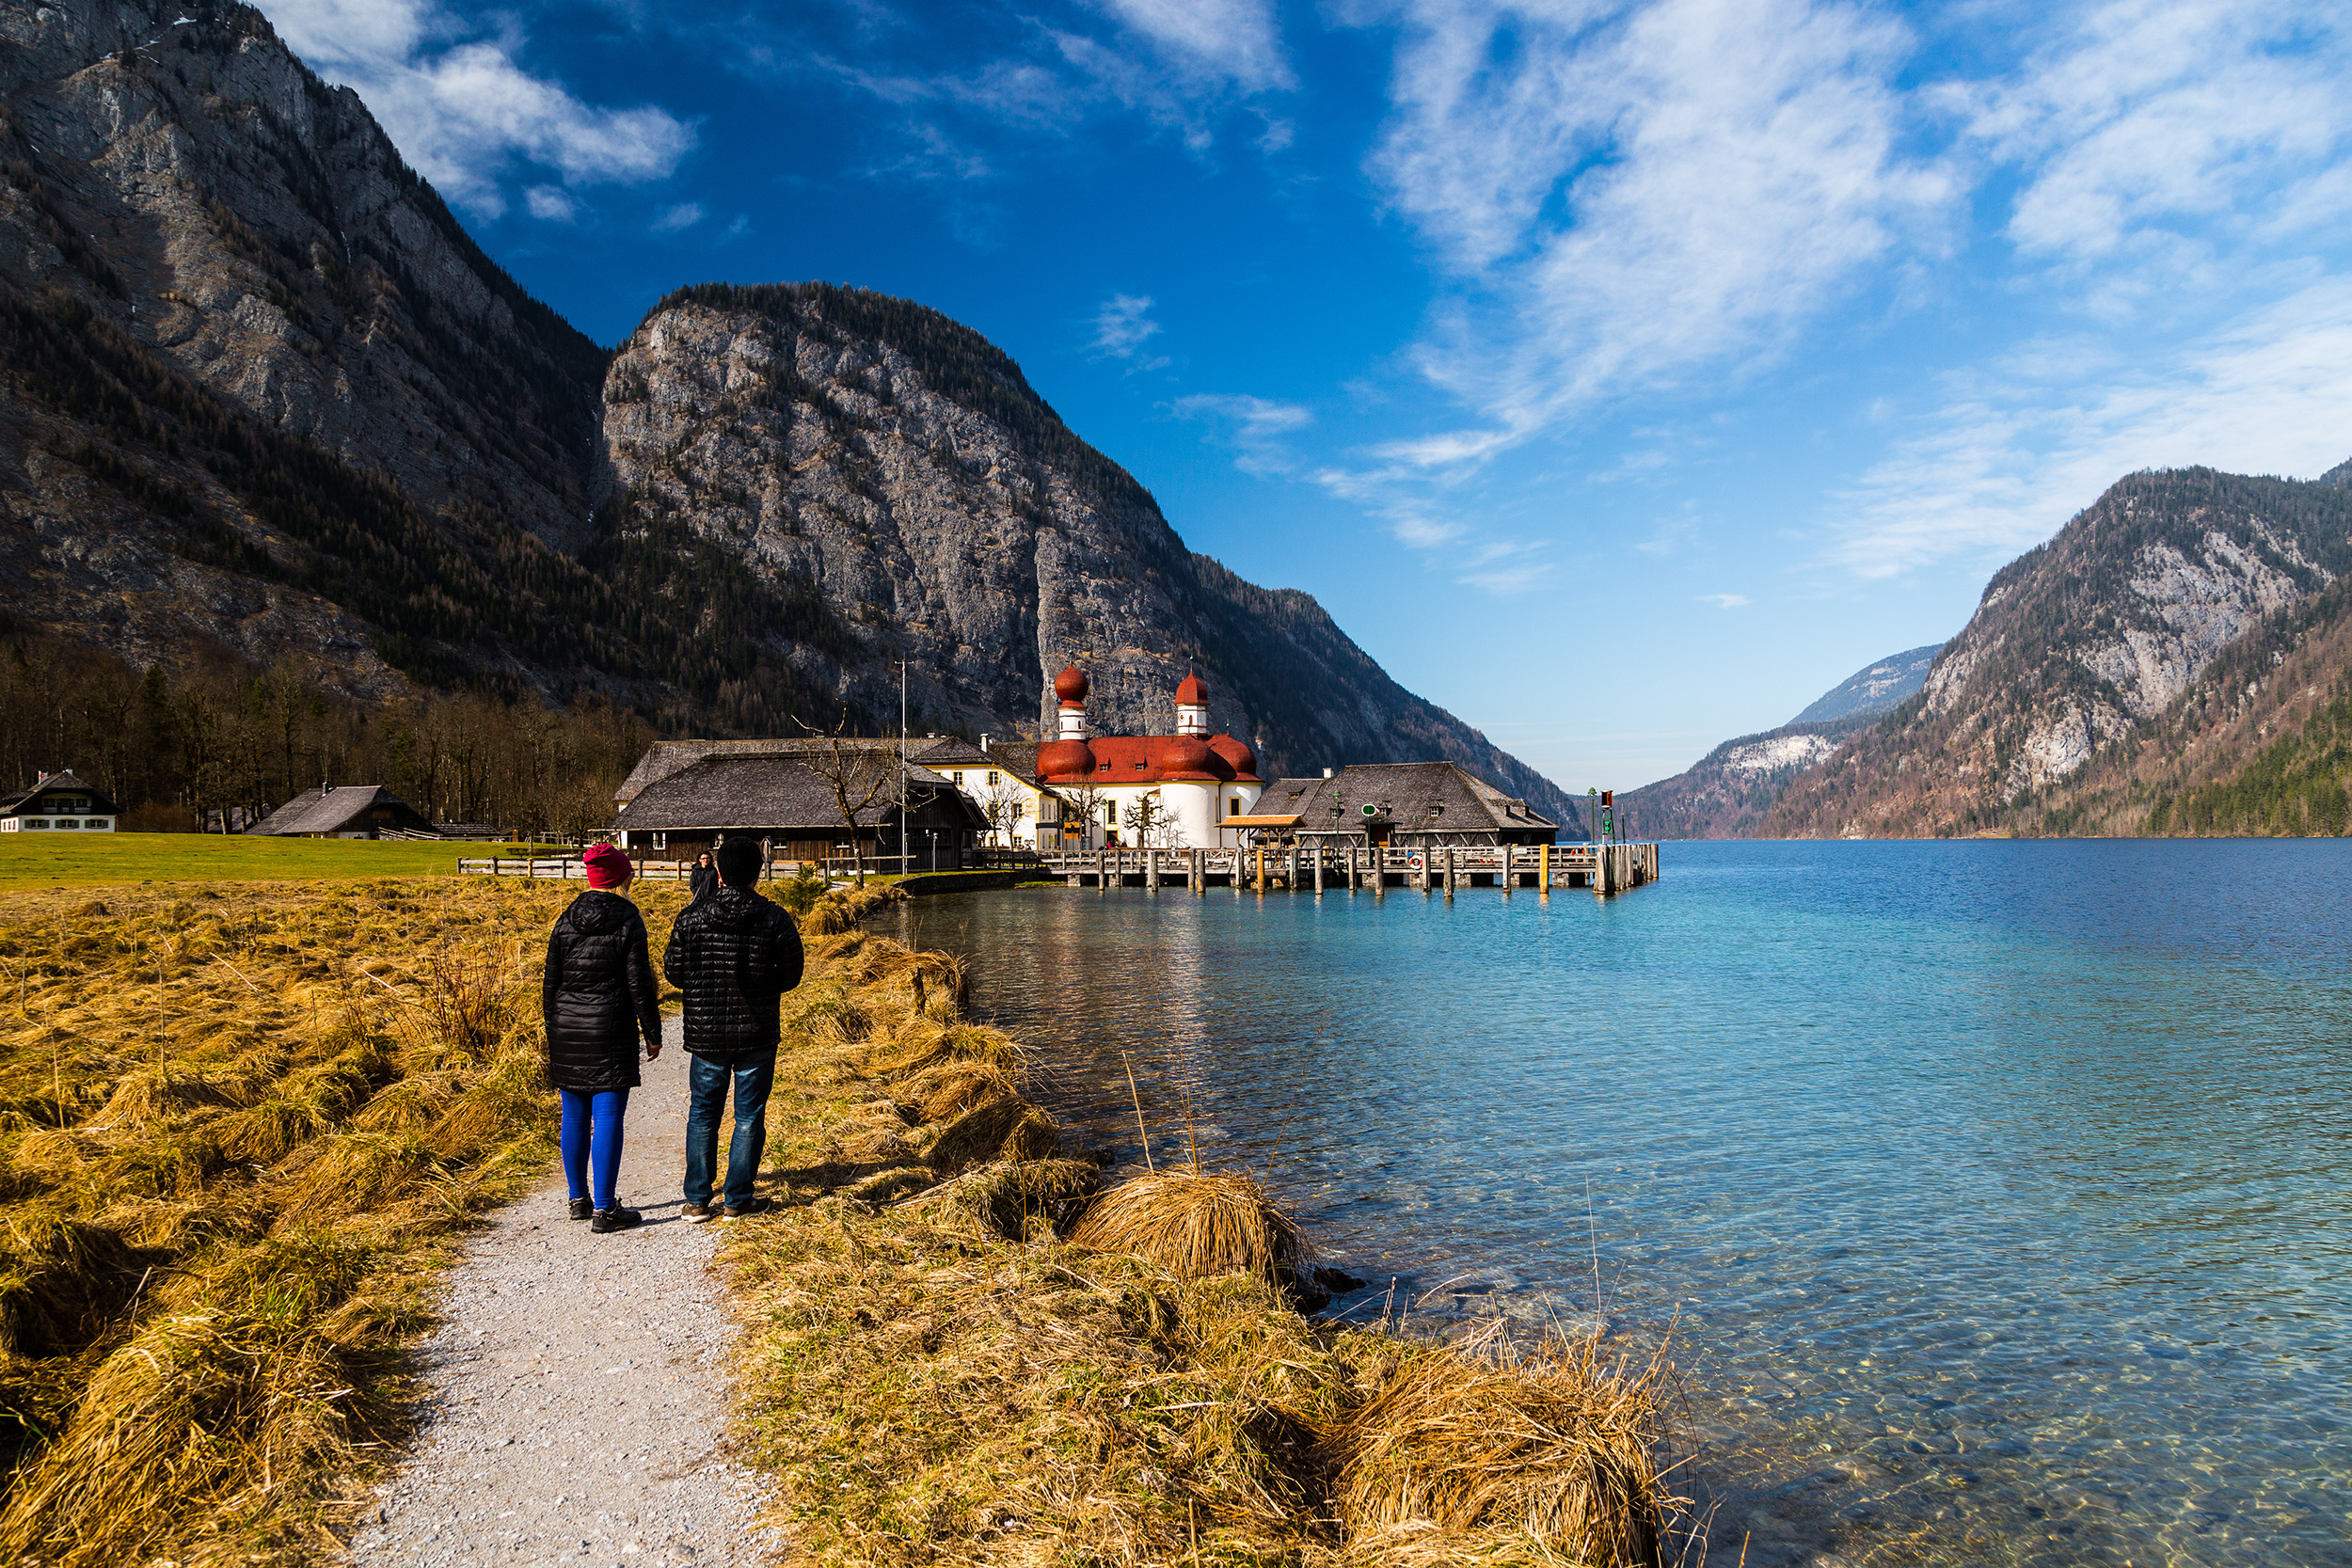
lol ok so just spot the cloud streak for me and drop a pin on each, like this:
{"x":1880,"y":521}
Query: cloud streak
{"x":462,"y":113}
{"x":1630,"y":197}
{"x":2002,"y":464}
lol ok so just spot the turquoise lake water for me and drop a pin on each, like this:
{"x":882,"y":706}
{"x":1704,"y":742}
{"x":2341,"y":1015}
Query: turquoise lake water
{"x":2001,"y":1193}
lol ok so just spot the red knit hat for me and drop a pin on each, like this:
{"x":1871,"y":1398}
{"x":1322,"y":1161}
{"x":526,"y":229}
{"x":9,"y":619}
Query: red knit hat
{"x":607,"y":866}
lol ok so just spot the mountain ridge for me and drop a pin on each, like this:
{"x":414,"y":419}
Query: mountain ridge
{"x":282,"y":405}
{"x":2083,"y":686}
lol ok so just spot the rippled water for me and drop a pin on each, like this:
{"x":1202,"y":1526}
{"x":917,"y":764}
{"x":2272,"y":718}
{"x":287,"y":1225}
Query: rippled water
{"x":2002,"y":1188}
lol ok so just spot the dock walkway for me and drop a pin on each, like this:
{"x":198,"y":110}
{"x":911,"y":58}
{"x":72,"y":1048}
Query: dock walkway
{"x":1603,"y":869}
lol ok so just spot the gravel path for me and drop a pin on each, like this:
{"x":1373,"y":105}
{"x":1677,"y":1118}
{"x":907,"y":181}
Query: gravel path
{"x":580,"y":1391}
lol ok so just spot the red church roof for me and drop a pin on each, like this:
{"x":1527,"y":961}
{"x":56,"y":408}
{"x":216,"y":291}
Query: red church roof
{"x":1109,"y":759}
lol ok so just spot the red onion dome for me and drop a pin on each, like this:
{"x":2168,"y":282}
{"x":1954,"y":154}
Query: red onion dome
{"x":1239,"y":758}
{"x":1065,"y":759}
{"x":1182,"y":754}
{"x":1192,"y":691}
{"x":1071,"y":685}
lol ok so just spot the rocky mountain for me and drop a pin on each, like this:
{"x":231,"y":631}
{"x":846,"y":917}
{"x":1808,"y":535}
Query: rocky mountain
{"x":260,"y":396}
{"x":1874,"y":688}
{"x":2166,"y":635}
{"x":1725,"y":793}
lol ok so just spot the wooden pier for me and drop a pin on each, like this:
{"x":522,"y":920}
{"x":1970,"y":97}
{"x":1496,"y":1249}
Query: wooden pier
{"x":1601,"y":868}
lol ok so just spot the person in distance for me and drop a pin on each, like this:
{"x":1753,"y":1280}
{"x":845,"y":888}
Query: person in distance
{"x":705,"y":880}
{"x":734,"y":954}
{"x":599,"y":997}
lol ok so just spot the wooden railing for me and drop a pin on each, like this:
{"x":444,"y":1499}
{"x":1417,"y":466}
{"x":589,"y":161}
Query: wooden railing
{"x":1603,"y":867}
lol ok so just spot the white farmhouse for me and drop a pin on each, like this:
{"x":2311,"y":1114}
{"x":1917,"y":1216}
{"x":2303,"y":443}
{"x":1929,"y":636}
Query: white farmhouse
{"x":57,"y":802}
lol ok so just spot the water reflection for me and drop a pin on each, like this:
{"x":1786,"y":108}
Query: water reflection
{"x":2000,"y":1187}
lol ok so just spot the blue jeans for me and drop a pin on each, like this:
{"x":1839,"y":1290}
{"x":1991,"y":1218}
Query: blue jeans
{"x":707,"y":1098}
{"x":592,"y":1122}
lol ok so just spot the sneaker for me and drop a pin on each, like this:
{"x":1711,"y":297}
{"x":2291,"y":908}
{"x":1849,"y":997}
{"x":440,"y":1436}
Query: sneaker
{"x":701,"y":1213}
{"x":757,"y":1206}
{"x":605,"y":1221}
{"x":582,"y":1208}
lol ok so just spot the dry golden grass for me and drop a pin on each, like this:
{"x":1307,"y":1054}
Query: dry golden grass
{"x":938,"y":1370}
{"x":237,"y":1130}
{"x":1541,"y":1457}
{"x":1193,"y":1226}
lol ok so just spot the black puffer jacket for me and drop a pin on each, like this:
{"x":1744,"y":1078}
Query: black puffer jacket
{"x":598,"y":996}
{"x":734,"y":954}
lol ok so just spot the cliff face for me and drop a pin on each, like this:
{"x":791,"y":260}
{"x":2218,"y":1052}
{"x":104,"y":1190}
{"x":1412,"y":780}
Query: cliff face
{"x":891,"y":475}
{"x":211,"y":265}
{"x":2086,"y":650}
{"x":260,"y":392}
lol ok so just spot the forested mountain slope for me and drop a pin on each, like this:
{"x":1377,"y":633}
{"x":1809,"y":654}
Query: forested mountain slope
{"x":261,"y":397}
{"x":2167,"y":634}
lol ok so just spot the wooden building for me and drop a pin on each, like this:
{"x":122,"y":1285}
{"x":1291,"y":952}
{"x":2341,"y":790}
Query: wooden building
{"x":1415,"y":804}
{"x":57,"y":802}
{"x":346,"y":810}
{"x":686,"y":795}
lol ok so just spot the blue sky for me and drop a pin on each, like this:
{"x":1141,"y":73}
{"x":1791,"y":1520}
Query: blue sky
{"x":1620,"y":375}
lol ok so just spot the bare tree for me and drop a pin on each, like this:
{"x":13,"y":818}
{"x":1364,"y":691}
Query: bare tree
{"x":1082,"y":803}
{"x":1004,"y":805}
{"x":1152,"y":825}
{"x":857,"y":772}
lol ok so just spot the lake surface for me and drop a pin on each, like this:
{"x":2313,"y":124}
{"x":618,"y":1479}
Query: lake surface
{"x":2001,"y":1193}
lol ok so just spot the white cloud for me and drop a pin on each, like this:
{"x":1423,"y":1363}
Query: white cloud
{"x":462,"y":112}
{"x":2148,"y":114}
{"x":550,"y":202}
{"x":1234,"y":41}
{"x":1253,"y":426}
{"x":1123,"y":325}
{"x":2007,"y":460}
{"x":1724,"y":601}
{"x":684,"y":215}
{"x":1634,"y":197}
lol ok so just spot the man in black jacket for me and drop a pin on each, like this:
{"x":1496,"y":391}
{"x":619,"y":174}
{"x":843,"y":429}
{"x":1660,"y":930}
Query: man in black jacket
{"x":734,"y":954}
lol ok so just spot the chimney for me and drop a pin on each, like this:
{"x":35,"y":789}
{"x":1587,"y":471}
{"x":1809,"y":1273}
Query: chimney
{"x":983,"y":741}
{"x":1326,"y":772}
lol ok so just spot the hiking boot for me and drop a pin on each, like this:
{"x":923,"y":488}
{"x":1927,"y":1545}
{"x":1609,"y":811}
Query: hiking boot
{"x":582,"y":1208}
{"x":755,"y":1206}
{"x":701,"y":1213}
{"x":605,"y":1221}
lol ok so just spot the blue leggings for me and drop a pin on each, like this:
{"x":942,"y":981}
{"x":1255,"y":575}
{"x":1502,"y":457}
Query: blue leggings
{"x":600,"y":1114}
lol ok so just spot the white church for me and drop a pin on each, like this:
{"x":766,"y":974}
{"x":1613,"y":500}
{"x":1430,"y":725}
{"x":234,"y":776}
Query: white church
{"x":1169,"y":791}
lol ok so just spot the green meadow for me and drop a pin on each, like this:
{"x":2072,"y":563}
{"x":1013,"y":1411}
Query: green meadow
{"x":36,"y":861}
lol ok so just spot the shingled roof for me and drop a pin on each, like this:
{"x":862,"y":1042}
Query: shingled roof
{"x":1016,"y":757}
{"x":60,"y":783}
{"x":1435,"y":799}
{"x":758,"y":789}
{"x":666,"y":758}
{"x":332,"y":811}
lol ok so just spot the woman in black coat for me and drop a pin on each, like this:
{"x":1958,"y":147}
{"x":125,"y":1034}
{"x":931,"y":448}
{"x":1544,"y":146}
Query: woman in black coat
{"x":706,"y":879}
{"x":599,"y":997}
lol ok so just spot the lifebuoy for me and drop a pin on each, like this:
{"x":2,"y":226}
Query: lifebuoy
{"x":1413,"y":859}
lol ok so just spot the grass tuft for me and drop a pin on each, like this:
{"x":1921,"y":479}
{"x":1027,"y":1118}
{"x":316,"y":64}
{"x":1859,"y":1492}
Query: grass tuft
{"x":1193,"y":1226}
{"x":1548,"y":1455}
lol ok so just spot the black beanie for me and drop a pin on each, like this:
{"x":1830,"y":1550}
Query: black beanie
{"x":738,"y":860}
